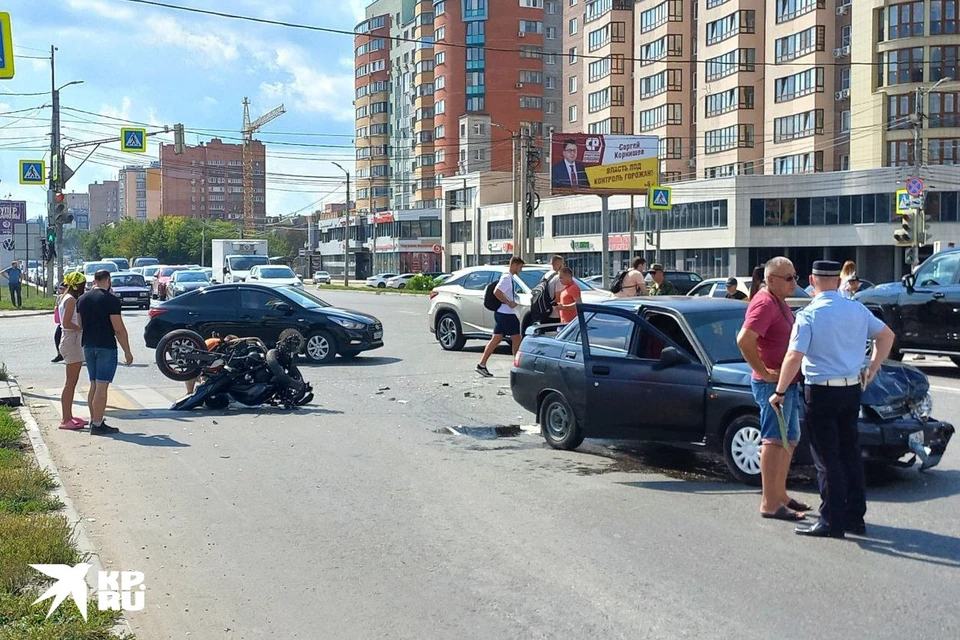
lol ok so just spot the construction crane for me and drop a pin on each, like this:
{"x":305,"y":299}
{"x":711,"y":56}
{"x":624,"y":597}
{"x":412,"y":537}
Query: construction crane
{"x":249,"y":128}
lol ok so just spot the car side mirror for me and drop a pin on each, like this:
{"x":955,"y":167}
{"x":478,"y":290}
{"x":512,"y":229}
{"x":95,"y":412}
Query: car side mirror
{"x":909,"y":281}
{"x":226,"y":270}
{"x":671,"y":357}
{"x":283,"y":307}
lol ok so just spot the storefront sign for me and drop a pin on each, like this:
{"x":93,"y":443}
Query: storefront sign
{"x":619,"y":242}
{"x":499,"y":247}
{"x":583,"y":245}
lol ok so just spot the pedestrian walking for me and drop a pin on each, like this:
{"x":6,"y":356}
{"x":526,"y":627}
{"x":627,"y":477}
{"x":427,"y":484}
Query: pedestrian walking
{"x":827,"y":346}
{"x":763,"y":341}
{"x":634,"y":283}
{"x":102,"y":329}
{"x":733,"y":290}
{"x":14,"y":276}
{"x":58,"y":319}
{"x":506,"y":322}
{"x":661,"y":286}
{"x":569,"y":296}
{"x":71,"y":347}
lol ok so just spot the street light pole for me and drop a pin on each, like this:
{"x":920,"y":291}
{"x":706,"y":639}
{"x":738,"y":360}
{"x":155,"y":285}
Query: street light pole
{"x":346,"y":233}
{"x":917,"y":118}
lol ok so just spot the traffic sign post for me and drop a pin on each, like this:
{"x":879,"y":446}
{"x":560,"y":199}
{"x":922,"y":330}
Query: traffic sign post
{"x":437,"y":248}
{"x":904,"y":203}
{"x":133,"y":140}
{"x":660,"y":198}
{"x":6,"y":47}
{"x":915,"y":187}
{"x":33,"y":172}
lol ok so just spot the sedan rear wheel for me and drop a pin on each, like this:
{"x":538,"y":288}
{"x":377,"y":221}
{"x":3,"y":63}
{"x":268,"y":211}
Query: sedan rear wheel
{"x":559,"y":424}
{"x":381,"y":285}
{"x":741,"y":449}
{"x":450,"y":333}
{"x":321,"y":347}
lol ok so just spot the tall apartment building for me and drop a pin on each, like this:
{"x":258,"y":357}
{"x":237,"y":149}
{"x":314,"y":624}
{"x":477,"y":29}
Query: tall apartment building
{"x":139,"y":192}
{"x":104,"y":203}
{"x":78,"y":205}
{"x":206,"y":181}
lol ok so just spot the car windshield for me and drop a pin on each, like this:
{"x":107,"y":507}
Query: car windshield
{"x":93,"y":267}
{"x":190,"y":276}
{"x":532,"y":277}
{"x":303,"y":298}
{"x":717,"y":332}
{"x":245,"y":263}
{"x":277,"y":272}
{"x":322,"y":273}
{"x":128,"y":280}
{"x":166,"y":272}
{"x":150,"y":271}
{"x":122,"y":264}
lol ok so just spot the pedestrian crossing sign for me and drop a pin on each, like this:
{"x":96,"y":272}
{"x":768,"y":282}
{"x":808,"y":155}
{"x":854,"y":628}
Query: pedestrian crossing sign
{"x":660,"y":198}
{"x":904,"y":202}
{"x":32,"y":171}
{"x":133,"y":140}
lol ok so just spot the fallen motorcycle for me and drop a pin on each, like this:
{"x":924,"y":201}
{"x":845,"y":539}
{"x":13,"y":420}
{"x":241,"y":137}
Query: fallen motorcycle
{"x":240,"y":369}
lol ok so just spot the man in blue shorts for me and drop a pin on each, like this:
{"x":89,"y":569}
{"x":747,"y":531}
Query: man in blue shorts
{"x":102,"y":328}
{"x":506,"y":322}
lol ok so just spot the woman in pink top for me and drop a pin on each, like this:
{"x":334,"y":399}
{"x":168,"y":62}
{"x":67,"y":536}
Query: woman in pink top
{"x":569,"y":296}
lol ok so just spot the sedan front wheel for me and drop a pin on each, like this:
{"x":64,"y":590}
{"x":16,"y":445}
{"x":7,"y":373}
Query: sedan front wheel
{"x":321,"y":347}
{"x":741,"y":449}
{"x":558,"y":423}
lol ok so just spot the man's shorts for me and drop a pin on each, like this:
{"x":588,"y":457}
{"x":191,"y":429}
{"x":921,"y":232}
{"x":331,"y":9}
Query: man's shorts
{"x":506,"y":324}
{"x":769,"y":425}
{"x":101,"y":363}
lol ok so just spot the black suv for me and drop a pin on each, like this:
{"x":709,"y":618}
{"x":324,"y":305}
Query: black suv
{"x":923,"y":309}
{"x":684,"y":281}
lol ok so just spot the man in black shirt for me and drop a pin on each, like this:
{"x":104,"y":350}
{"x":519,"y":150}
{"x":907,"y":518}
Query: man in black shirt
{"x":102,"y":327}
{"x":733,"y":292}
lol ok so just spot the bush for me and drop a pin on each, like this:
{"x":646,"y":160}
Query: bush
{"x":10,"y":428}
{"x":26,"y":540}
{"x":421,"y":282}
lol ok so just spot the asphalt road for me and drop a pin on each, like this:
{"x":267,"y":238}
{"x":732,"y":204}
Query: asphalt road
{"x":356,"y":518}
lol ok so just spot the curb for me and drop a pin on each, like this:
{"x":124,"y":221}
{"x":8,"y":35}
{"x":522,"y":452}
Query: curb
{"x":25,"y":314}
{"x":69,"y":511}
{"x":12,"y":396}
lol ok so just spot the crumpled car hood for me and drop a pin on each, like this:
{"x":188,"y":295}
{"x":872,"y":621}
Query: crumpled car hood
{"x":895,"y":382}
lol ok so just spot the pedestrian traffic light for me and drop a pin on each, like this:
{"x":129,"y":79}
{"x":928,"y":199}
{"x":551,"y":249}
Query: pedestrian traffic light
{"x":43,"y":249}
{"x":904,"y":235}
{"x":51,"y":235}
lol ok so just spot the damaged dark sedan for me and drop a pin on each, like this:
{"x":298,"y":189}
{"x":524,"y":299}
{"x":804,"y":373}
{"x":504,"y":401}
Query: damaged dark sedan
{"x":669,"y":370}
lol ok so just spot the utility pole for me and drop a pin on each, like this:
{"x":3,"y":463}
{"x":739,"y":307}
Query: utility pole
{"x":531,"y":201}
{"x":346,"y":239}
{"x":516,"y":195}
{"x":917,"y":163}
{"x":632,"y":226}
{"x":463,"y":229}
{"x":54,"y":169}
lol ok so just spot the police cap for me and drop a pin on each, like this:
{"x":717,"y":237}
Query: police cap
{"x":826,"y":268}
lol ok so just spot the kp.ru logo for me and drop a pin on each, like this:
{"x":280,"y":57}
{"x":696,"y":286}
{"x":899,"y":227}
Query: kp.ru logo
{"x":116,"y":590}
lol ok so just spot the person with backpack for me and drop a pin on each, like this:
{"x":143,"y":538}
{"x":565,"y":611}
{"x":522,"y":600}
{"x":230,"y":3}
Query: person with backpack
{"x":631,"y":282}
{"x":543,"y":297}
{"x":506,"y":321}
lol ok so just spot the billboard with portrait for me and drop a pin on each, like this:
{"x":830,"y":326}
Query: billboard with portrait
{"x":603,"y":164}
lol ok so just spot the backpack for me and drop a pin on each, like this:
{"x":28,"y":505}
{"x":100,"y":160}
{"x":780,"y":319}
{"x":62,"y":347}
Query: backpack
{"x":541,"y":302}
{"x":617,"y":285}
{"x":490,"y":300}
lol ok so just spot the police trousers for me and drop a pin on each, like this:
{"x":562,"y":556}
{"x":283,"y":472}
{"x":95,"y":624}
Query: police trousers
{"x":831,"y":424}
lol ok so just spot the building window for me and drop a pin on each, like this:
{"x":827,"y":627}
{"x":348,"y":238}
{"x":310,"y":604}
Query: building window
{"x":730,"y":100}
{"x":653,"y":118}
{"x":738,"y":22}
{"x":531,"y":77}
{"x":845,"y":121}
{"x":551,"y":33}
{"x":732,"y":137}
{"x":572,"y":113}
{"x":653,"y":51}
{"x":572,"y":27}
{"x":476,"y":103}
{"x":531,"y":102}
{"x":671,"y":148}
{"x":531,"y":4}
{"x":500,"y":230}
{"x":440,"y":107}
{"x":572,"y":84}
{"x":799,"y":125}
{"x":729,"y":63}
{"x":674,"y":113}
{"x":653,"y":85}
{"x":905,"y":66}
{"x":531,"y":26}
{"x":789,"y":9}
{"x":550,"y":107}
{"x":801,"y":163}
{"x":944,"y":17}
{"x":572,"y":55}
{"x":943,"y":63}
{"x":550,"y":82}
{"x":943,"y":150}
{"x":440,"y":57}
{"x":613,"y":32}
{"x":671,"y":10}
{"x":800,"y":44}
{"x":440,"y":132}
{"x":608,"y":126}
{"x":899,"y":153}
{"x":944,"y":110}
{"x":799,"y":84}
{"x":899,"y":110}
{"x":905,"y":20}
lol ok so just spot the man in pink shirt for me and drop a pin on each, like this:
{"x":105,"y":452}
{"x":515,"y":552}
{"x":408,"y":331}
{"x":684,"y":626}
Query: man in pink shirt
{"x":763,"y":340}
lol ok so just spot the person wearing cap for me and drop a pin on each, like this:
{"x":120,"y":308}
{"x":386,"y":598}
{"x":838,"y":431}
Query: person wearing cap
{"x":851,"y":287}
{"x":827,"y":346}
{"x":733,"y":290}
{"x":661,"y":286}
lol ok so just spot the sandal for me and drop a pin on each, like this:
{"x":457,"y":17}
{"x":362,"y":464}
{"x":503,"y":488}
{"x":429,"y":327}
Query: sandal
{"x":71,"y":425}
{"x":783,"y":513}
{"x":796,"y":505}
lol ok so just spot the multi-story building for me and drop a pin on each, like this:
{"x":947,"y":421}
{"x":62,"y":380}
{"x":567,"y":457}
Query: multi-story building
{"x":139,"y":192}
{"x":78,"y":205}
{"x":206,"y":181}
{"x":104,"y":203}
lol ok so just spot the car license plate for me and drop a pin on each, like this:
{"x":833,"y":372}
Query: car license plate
{"x":377,"y":335}
{"x":129,"y":299}
{"x":917,"y":437}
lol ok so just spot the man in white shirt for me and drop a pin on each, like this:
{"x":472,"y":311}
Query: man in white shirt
{"x":506,"y":321}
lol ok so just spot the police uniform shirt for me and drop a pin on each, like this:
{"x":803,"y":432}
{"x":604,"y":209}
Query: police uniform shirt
{"x":832,"y":334}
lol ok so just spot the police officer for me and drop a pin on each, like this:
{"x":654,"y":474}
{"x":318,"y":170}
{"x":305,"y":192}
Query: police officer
{"x":827,"y":346}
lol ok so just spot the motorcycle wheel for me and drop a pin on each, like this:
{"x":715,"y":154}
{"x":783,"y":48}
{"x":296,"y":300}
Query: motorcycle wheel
{"x":172,"y":351}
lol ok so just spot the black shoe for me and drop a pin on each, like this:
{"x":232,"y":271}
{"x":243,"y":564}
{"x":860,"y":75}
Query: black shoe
{"x":857,"y":529}
{"x":818,"y":530}
{"x":57,"y":359}
{"x":103,"y":430}
{"x":482,"y":370}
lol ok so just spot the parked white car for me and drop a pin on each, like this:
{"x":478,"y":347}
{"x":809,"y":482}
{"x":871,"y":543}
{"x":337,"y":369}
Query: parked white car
{"x":380,"y":280}
{"x":457,"y":313}
{"x":274,"y":274}
{"x":321,"y":277}
{"x":400,"y":281}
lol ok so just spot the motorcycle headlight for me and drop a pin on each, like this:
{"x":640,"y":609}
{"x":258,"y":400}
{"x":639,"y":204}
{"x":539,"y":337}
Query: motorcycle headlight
{"x":923,"y":408}
{"x":348,"y":324}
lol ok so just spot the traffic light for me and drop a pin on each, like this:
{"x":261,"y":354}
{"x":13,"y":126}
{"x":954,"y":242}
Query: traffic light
{"x":51,"y":235}
{"x":925,"y":233}
{"x":649,"y":237}
{"x":43,"y":249}
{"x":60,"y":214}
{"x":904,"y":235}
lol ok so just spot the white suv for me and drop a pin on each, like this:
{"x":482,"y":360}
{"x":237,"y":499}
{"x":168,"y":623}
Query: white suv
{"x":457,"y":313}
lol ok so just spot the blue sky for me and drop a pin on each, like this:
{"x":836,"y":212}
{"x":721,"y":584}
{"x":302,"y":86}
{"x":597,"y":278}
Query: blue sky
{"x":161,"y":66}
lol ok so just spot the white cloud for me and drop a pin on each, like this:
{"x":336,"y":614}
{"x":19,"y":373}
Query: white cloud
{"x":111,"y":10}
{"x":213,"y":49}
{"x":359,"y":9}
{"x":210,"y":101}
{"x":309,"y":89}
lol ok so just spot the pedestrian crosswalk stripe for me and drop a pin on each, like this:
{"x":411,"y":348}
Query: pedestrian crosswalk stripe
{"x":124,"y":398}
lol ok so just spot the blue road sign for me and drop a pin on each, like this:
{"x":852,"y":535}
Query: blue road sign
{"x":133,"y":140}
{"x":660,"y":198}
{"x":915,"y":187}
{"x":32,"y":171}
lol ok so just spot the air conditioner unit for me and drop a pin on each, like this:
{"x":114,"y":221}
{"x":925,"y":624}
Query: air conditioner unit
{"x":521,"y":34}
{"x":692,"y":163}
{"x":837,"y":52}
{"x":846,"y":50}
{"x":519,"y":85}
{"x":842,"y":10}
{"x":846,"y":93}
{"x":838,"y":95}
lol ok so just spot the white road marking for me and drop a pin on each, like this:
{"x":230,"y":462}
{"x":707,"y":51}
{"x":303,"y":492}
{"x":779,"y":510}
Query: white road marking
{"x":947,"y":389}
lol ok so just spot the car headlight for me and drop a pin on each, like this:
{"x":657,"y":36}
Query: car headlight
{"x":298,"y":284}
{"x":349,"y":324}
{"x":923,"y":408}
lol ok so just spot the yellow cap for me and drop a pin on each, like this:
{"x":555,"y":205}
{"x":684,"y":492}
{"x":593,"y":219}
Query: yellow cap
{"x":74,"y":279}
